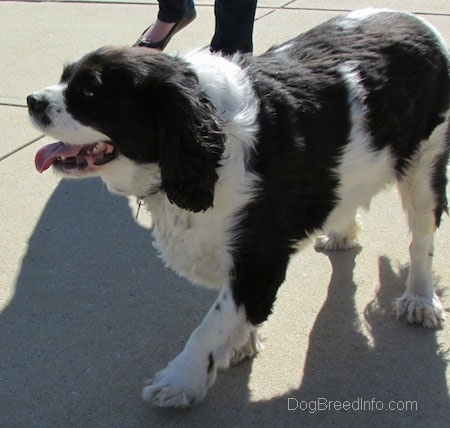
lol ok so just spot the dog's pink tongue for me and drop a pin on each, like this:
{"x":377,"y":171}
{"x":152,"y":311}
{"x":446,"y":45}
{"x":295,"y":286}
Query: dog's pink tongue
{"x":45,"y":156}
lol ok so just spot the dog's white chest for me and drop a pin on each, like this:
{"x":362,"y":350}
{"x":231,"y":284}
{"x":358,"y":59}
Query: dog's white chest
{"x":193,"y":244}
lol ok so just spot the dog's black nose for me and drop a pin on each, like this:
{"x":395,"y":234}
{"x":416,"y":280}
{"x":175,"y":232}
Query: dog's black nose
{"x":36,"y":103}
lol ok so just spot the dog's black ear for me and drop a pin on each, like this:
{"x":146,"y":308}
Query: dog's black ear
{"x":191,"y":141}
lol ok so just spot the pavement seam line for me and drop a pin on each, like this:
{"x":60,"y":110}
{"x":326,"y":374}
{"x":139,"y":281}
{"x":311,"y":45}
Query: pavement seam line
{"x":23,"y":146}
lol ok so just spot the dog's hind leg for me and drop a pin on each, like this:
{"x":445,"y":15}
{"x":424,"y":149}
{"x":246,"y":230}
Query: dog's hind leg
{"x":422,"y":190}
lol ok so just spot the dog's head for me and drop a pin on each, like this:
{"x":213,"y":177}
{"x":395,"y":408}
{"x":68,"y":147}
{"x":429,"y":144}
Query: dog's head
{"x":118,"y":111}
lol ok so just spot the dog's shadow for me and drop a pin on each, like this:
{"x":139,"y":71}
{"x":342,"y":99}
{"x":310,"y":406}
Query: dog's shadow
{"x":397,"y":378}
{"x":95,"y":313}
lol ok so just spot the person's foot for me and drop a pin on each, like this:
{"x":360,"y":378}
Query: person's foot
{"x":158,"y":35}
{"x":157,"y":32}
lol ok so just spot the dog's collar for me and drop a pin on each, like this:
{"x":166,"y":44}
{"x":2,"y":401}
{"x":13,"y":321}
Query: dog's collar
{"x":139,"y":202}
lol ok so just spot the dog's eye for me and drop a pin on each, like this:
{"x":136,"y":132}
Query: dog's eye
{"x":87,"y":92}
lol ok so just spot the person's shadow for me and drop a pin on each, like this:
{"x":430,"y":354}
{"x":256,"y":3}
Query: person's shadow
{"x":95,"y":313}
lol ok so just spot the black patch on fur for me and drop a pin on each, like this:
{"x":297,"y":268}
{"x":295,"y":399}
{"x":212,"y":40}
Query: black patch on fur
{"x":210,"y":362}
{"x":440,"y":181}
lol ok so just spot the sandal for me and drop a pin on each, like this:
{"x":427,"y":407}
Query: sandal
{"x":183,"y":22}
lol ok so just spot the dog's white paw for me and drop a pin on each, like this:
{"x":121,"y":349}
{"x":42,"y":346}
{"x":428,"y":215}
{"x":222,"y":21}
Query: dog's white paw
{"x":342,"y":240}
{"x":335,"y":241}
{"x":182,"y":383}
{"x":249,"y":350}
{"x":420,"y":310}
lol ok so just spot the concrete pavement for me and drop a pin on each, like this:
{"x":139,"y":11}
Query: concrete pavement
{"x":88,"y":312}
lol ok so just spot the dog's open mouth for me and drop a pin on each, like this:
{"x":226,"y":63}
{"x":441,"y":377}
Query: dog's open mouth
{"x":69,"y":156}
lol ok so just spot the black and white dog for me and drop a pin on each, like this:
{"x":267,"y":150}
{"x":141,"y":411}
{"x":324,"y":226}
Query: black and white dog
{"x":240,"y":161}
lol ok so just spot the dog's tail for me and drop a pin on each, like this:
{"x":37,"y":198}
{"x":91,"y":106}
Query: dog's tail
{"x":440,"y":177}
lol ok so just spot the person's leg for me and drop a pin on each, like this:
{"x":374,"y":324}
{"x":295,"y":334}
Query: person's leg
{"x":171,"y":11}
{"x":234,"y":26}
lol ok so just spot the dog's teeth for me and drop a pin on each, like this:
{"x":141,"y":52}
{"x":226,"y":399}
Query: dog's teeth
{"x":99,"y":147}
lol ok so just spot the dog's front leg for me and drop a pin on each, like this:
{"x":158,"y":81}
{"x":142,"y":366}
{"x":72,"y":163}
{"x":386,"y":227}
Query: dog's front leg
{"x":224,"y":337}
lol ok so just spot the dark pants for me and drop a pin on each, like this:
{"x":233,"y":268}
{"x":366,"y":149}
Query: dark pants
{"x":234,"y":22}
